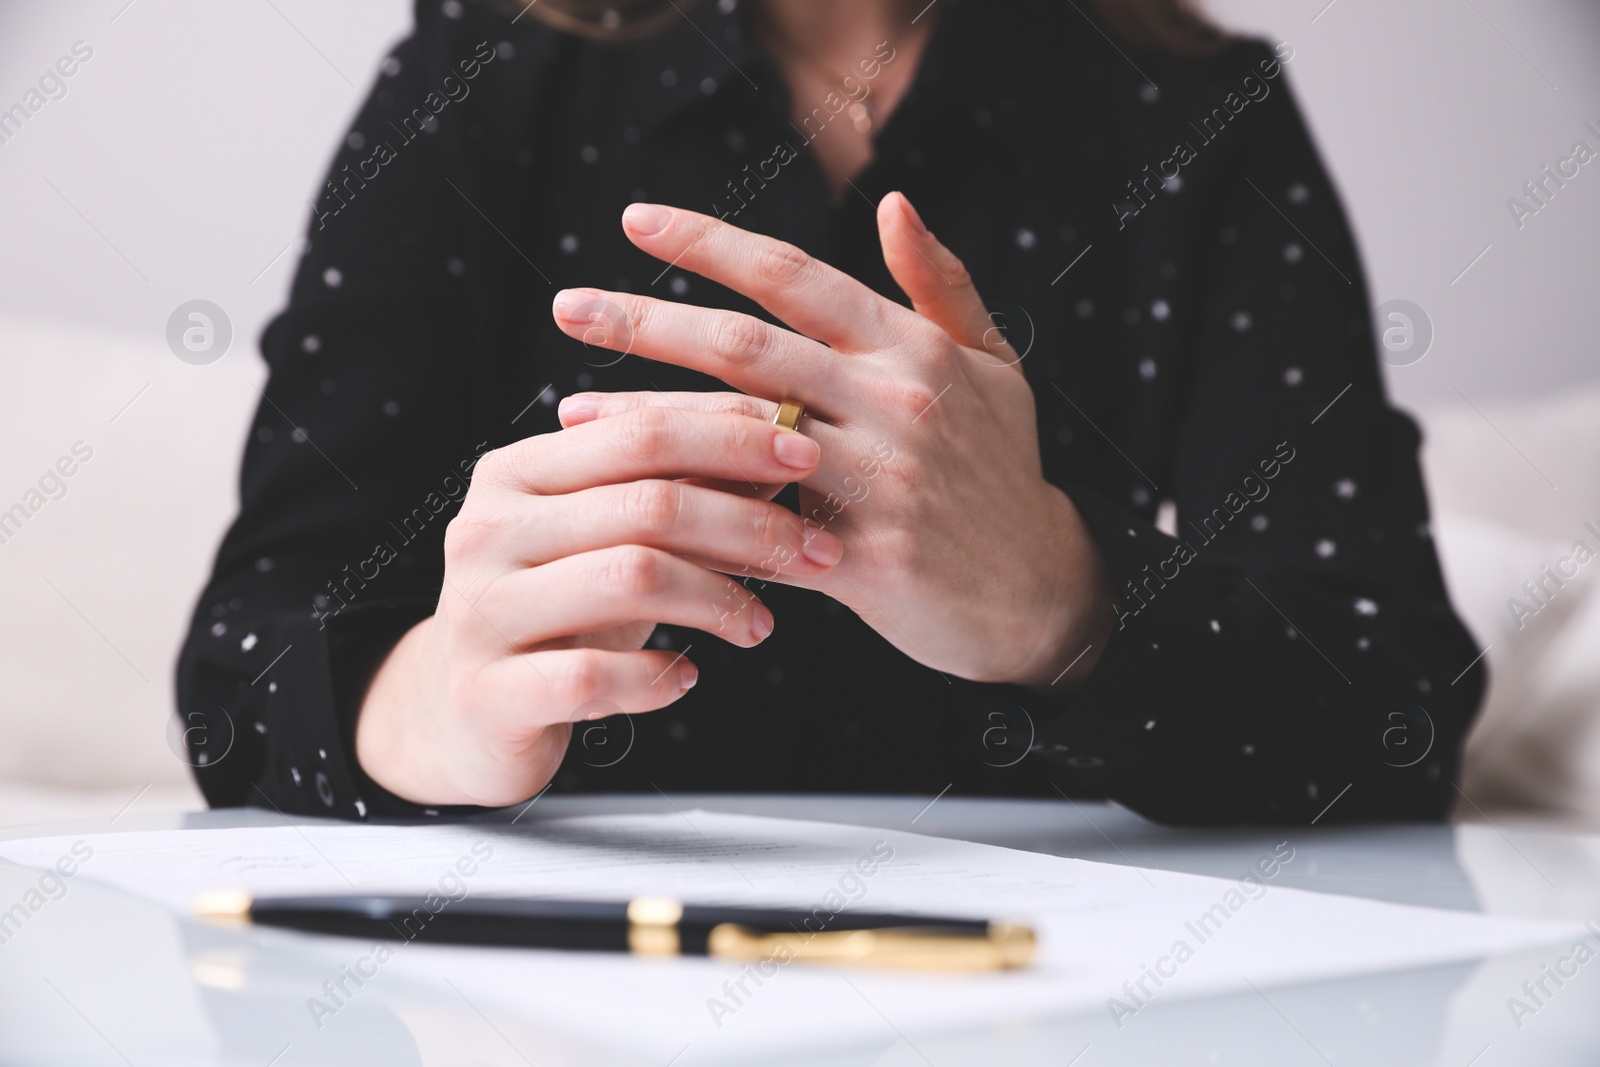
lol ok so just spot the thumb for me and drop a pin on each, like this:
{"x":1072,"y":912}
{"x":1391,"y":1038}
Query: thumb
{"x":937,"y":281}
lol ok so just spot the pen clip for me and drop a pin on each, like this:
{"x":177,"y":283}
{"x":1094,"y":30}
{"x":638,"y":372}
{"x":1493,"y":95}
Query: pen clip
{"x":1005,"y":946}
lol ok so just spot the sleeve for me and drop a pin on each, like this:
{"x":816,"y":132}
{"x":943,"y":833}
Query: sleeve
{"x":359,"y":454}
{"x":1288,"y":653}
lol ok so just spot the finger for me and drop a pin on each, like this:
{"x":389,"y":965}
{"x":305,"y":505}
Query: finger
{"x":582,"y":683}
{"x":762,"y":573}
{"x":587,"y":407}
{"x":675,"y":517}
{"x":936,"y":280}
{"x":617,"y":586}
{"x":809,"y":295}
{"x":742,"y":350}
{"x":652,"y":442}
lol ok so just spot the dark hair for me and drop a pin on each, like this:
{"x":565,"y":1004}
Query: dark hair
{"x":1165,"y":25}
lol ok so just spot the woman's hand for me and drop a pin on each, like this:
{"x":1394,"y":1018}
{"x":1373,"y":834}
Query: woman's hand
{"x":960,"y":553}
{"x":569,"y":549}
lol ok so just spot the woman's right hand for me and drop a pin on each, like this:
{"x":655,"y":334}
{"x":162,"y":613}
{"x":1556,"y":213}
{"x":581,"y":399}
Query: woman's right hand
{"x":569,"y":548}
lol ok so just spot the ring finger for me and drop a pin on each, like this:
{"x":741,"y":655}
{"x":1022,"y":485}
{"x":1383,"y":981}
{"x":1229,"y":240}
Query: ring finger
{"x":587,"y":407}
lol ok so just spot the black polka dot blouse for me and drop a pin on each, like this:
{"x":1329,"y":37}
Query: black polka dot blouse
{"x":1155,"y":233}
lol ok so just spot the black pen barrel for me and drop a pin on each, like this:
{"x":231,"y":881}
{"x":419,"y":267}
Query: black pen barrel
{"x":559,"y":924}
{"x":513,"y":924}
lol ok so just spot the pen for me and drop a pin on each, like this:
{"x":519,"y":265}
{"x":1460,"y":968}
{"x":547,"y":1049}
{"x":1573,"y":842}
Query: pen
{"x":646,"y":926}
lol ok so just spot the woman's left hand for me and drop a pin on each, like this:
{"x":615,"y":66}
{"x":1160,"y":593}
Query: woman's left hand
{"x":957,"y":550}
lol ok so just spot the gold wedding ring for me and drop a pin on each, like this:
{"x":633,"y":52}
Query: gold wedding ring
{"x":788,"y":416}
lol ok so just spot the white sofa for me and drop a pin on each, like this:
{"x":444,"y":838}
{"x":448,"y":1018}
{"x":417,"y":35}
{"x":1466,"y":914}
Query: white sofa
{"x":1513,"y":488}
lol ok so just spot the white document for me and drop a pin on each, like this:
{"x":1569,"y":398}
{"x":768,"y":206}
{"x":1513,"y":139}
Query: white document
{"x":1112,"y":939}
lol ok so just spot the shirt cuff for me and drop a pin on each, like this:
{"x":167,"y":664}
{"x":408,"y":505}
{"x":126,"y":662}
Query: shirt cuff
{"x":1145,"y":701}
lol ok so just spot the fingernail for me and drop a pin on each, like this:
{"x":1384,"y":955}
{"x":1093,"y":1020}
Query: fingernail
{"x":822,"y":548}
{"x":916,"y":219}
{"x":646,"y":219}
{"x":569,"y":301}
{"x":688,"y":674}
{"x":796,"y":450}
{"x":761,"y":622}
{"x":579,"y":407}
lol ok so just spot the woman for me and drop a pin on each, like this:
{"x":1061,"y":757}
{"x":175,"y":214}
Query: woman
{"x":1073,"y":474}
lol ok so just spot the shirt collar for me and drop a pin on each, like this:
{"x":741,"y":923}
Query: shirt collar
{"x":714,"y":47}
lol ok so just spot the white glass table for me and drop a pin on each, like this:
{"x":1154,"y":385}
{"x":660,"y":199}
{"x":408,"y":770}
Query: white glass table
{"x":98,"y":976}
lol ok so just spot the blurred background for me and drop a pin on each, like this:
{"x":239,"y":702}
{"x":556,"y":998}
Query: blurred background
{"x":175,"y":164}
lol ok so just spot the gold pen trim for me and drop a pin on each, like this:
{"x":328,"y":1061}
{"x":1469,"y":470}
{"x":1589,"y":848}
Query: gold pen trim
{"x":653,"y":926}
{"x":1005,"y":947}
{"x":223,"y":906}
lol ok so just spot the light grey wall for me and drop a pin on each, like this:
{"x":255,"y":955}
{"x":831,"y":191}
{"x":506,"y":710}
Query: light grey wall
{"x":191,"y":142}
{"x":1432,"y":114}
